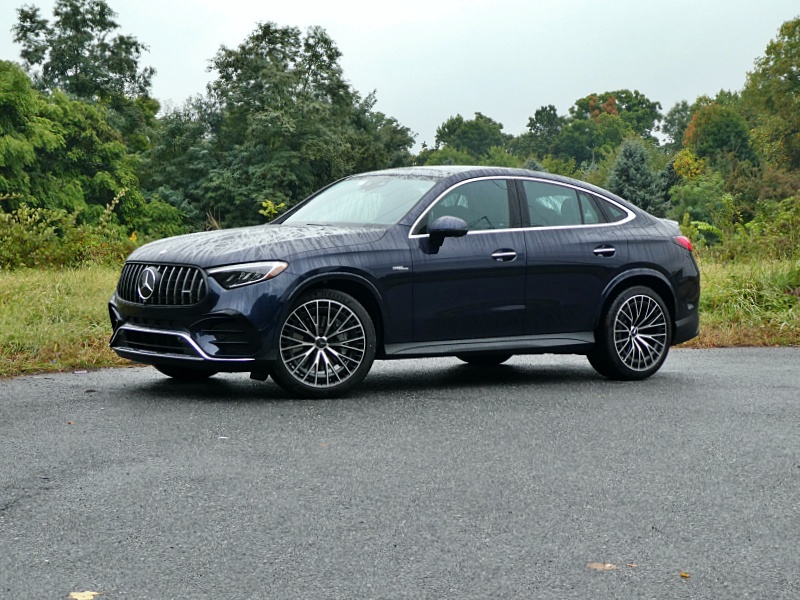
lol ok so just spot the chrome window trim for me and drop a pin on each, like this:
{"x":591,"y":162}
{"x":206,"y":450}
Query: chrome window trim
{"x":630,"y":213}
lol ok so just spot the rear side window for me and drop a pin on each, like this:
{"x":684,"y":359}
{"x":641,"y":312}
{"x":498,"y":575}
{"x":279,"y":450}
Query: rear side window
{"x":553,"y":205}
{"x":613,"y":212}
{"x":590,"y":211}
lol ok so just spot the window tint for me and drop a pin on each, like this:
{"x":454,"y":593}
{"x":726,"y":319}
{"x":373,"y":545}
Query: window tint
{"x":482,"y":204}
{"x":590,"y":212}
{"x":551,"y":205}
{"x":612,"y":211}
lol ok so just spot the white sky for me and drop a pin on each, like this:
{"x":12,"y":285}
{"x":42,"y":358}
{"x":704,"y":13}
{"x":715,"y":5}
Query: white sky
{"x":431,"y":59}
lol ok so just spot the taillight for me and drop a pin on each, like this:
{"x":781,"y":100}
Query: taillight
{"x":684,"y":242}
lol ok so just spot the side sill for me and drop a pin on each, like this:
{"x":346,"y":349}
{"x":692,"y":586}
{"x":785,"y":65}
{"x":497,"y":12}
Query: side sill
{"x":527,"y":344}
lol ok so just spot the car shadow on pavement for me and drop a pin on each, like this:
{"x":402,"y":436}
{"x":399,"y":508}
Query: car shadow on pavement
{"x":385,"y":378}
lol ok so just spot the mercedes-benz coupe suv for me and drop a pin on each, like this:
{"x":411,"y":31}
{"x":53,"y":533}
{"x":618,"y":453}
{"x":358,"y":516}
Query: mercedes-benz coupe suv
{"x":472,"y":262}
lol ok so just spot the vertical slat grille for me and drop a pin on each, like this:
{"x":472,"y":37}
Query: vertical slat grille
{"x":174,"y":285}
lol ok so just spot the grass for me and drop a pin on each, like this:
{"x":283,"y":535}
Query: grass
{"x":748,"y":303}
{"x":57,"y":320}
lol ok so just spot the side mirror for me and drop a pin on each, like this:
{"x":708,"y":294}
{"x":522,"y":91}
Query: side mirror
{"x":445,"y":227}
{"x":448,"y":227}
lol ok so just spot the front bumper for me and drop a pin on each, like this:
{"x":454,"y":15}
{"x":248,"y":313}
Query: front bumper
{"x":165,"y":346}
{"x":227,"y":330}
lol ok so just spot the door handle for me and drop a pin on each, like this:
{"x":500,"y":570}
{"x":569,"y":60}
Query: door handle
{"x":605,"y":251}
{"x":504,"y":255}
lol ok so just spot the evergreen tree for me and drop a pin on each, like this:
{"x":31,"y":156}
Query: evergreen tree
{"x":632,"y":178}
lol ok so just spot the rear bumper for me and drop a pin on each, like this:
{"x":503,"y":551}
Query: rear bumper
{"x":687,"y":328}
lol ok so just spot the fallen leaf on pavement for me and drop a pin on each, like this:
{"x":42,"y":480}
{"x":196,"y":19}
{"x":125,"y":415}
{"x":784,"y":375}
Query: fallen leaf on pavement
{"x":685,"y":575}
{"x":83,"y":595}
{"x":602,"y":566}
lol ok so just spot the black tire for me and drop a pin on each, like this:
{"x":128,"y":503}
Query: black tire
{"x":185,"y":373}
{"x":634,"y":336}
{"x":485,"y":359}
{"x":326,"y":345}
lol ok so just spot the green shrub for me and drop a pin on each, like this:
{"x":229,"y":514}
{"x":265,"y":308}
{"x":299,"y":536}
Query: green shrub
{"x":775,"y":230}
{"x":42,"y":237}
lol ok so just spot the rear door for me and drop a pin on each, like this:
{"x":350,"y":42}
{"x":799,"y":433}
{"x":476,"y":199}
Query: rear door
{"x":574,"y":249}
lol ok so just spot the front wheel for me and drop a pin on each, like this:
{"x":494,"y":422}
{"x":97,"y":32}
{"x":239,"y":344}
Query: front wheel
{"x":634,"y":336}
{"x":326,"y":346}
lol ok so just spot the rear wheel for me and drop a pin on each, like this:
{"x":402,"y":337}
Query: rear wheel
{"x":185,"y":373}
{"x":485,"y":359}
{"x":634,"y":336}
{"x":326,"y":347}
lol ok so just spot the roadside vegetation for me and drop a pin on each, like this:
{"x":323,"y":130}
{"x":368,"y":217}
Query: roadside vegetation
{"x":57,"y":319}
{"x":91,"y":166}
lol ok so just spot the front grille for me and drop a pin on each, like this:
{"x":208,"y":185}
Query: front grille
{"x":174,"y":285}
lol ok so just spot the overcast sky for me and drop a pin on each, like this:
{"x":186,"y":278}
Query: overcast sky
{"x":430,"y":59}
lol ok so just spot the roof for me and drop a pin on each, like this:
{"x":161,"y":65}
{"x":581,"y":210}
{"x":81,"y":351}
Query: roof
{"x":453,"y":173}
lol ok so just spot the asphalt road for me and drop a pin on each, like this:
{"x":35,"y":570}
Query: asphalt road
{"x":433,"y":480}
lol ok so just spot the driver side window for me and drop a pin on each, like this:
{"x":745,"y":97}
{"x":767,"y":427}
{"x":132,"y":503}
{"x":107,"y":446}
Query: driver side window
{"x":481,"y":204}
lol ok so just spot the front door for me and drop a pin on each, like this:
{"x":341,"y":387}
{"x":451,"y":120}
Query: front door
{"x":471,"y":287}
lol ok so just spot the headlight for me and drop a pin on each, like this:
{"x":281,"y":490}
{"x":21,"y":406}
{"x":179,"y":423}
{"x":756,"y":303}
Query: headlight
{"x":234,"y":276}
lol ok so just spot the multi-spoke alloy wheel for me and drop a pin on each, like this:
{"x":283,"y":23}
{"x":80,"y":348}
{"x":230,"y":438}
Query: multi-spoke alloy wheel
{"x":640,"y":332}
{"x":634,"y":336}
{"x":327,"y":345}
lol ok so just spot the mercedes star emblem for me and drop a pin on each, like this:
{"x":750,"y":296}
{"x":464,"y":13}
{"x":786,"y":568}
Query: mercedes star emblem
{"x":147,"y":283}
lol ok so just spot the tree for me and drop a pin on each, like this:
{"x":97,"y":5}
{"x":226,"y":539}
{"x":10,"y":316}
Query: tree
{"x":24,"y":134}
{"x":444,"y":156}
{"x":772,"y":93}
{"x":632,"y":178}
{"x":475,"y":136}
{"x":278,"y":122}
{"x":637,"y":111}
{"x":78,"y":54}
{"x":60,"y":153}
{"x":378,"y":141}
{"x":675,"y":124}
{"x":719,"y":132}
{"x":543,"y":129}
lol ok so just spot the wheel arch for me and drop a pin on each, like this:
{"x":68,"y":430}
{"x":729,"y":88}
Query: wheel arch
{"x":651,"y":278}
{"x":357,"y":286}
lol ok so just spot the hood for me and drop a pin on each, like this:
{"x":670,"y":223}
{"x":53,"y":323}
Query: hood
{"x":250,"y":244}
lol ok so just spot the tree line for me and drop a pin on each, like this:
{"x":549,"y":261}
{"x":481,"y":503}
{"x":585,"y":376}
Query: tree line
{"x":81,"y":135}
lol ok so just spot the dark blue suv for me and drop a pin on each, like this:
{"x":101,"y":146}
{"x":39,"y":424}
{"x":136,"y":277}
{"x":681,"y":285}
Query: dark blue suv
{"x":476,"y":263}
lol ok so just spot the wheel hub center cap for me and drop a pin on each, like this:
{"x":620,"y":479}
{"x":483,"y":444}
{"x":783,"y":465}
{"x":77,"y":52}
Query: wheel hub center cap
{"x":321,"y":342}
{"x":634,"y":331}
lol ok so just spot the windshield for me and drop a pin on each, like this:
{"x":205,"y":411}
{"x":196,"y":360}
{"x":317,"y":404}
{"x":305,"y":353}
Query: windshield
{"x":370,"y":200}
